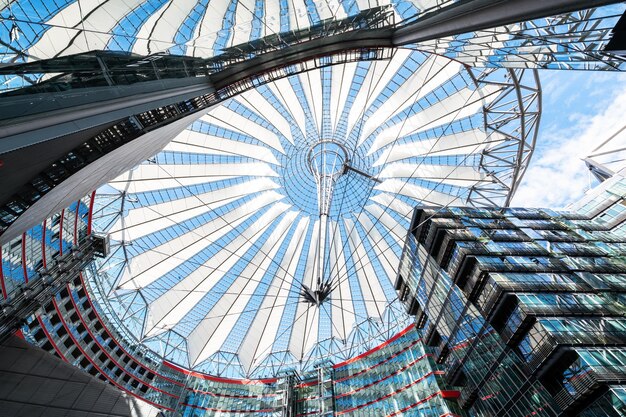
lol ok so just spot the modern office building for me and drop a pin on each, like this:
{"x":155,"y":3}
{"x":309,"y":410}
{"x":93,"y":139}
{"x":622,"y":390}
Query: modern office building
{"x":524,"y":307}
{"x":204,"y":205}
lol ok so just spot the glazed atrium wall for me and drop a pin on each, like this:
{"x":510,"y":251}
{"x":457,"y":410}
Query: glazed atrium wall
{"x":524,"y":307}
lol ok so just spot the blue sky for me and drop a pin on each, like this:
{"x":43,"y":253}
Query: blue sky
{"x":580,"y":110}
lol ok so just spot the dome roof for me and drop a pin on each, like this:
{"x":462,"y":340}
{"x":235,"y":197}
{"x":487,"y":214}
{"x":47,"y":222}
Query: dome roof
{"x":267,"y":236}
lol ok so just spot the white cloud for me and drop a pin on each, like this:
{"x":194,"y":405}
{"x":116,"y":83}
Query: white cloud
{"x":557,"y":176}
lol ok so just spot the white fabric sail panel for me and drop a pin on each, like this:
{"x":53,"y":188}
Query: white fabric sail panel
{"x":206,"y":171}
{"x":145,"y":223}
{"x":258,"y":103}
{"x":271,"y":23}
{"x":431,"y":74}
{"x":303,"y":342}
{"x":375,"y":80}
{"x":373,"y":294}
{"x":330,"y":9}
{"x":395,"y":229}
{"x":170,"y":20}
{"x":469,"y":105}
{"x":293,"y":19}
{"x":395,"y":204}
{"x":341,"y":80}
{"x":66,"y":35}
{"x":206,"y":32}
{"x":63,"y":27}
{"x":169,"y":309}
{"x":148,"y":266}
{"x":207,"y":144}
{"x":173,"y":306}
{"x":462,"y":143}
{"x":190,"y":148}
{"x":310,"y":270}
{"x":177,"y":211}
{"x":462,"y":104}
{"x":263,"y":330}
{"x":389,"y":70}
{"x":463,"y":176}
{"x":338,"y":7}
{"x":231,"y":120}
{"x":368,"y":4}
{"x":269,"y":338}
{"x":341,"y":307}
{"x":386,"y":256}
{"x":49,"y":46}
{"x":298,"y":334}
{"x":312,"y":88}
{"x":298,"y":15}
{"x":243,"y":22}
{"x":297,"y":330}
{"x":383,"y":73}
{"x":142,"y":43}
{"x":423,"y":5}
{"x":283,"y":91}
{"x":312,"y":326}
{"x":155,"y":184}
{"x":323,"y":9}
{"x":103,"y":16}
{"x":142,"y":221}
{"x":211,"y":23}
{"x":211,"y":332}
{"x":417,"y":192}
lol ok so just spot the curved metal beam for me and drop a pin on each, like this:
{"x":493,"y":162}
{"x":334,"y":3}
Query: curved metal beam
{"x":301,"y":52}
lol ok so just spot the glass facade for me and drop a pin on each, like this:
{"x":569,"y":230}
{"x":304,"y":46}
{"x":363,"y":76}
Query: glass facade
{"x":523,"y":306}
{"x":398,"y":377}
{"x":27,"y":257}
{"x":207,"y":395}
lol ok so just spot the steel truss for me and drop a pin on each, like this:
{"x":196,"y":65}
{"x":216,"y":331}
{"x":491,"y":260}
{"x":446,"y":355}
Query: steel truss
{"x":514,"y":116}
